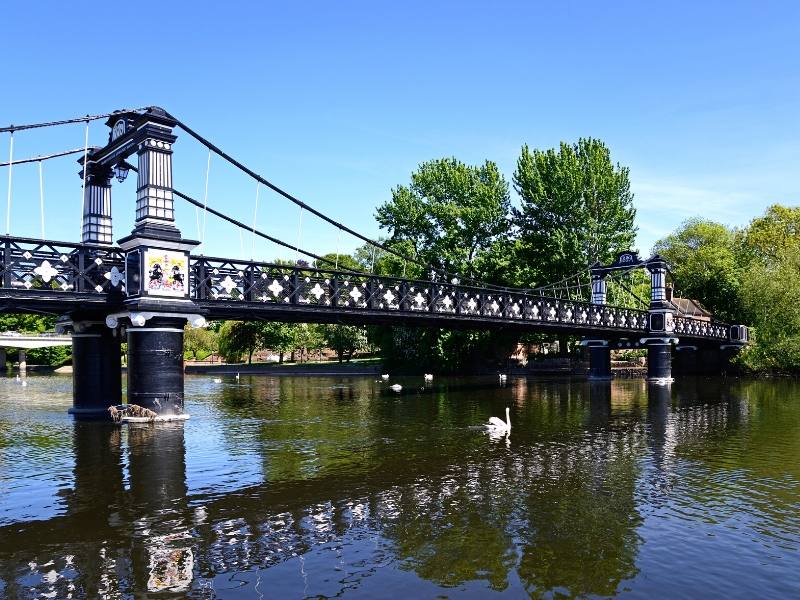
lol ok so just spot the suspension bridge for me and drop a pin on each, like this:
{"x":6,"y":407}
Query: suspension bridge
{"x":144,"y":287}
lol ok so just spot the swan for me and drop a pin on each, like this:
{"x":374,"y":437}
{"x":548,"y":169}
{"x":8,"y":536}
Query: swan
{"x":397,"y":387}
{"x":217,"y":380}
{"x":237,"y":377}
{"x":428,"y":377}
{"x":384,"y":377}
{"x":496,"y":424}
{"x":503,"y":377}
{"x":24,"y":383}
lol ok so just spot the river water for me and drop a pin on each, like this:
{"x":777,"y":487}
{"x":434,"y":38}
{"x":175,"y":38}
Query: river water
{"x":336,"y":486}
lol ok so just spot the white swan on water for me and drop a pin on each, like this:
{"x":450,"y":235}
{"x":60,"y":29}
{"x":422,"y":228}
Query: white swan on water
{"x":428,"y":376}
{"x":396,"y":387}
{"x":498,"y":425}
{"x":384,"y":377}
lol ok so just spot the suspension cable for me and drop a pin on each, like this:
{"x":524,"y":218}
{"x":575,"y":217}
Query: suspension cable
{"x":41,"y":197}
{"x":85,"y":171}
{"x":338,"y":239}
{"x":205,"y":202}
{"x":42,"y":157}
{"x":260,"y":234}
{"x":212,"y":147}
{"x":299,"y":233}
{"x":10,"y":169}
{"x":12,"y":128}
{"x":255,"y":215}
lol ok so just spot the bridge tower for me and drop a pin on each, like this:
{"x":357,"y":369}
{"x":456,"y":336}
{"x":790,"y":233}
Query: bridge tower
{"x":599,"y":350}
{"x":661,"y":324}
{"x":157,"y":304}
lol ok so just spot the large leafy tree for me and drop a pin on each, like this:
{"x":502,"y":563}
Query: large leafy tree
{"x":705,"y":261}
{"x":452,"y":216}
{"x":239,"y":337}
{"x":775,"y":235}
{"x":576,"y":208}
{"x":345,"y":339}
{"x":278,"y":337}
{"x":449,"y":216}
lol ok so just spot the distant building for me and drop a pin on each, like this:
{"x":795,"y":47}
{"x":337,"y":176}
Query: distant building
{"x":688,"y":307}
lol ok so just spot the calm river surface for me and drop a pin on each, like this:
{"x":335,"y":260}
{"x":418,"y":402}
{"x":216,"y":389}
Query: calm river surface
{"x":335,"y":486}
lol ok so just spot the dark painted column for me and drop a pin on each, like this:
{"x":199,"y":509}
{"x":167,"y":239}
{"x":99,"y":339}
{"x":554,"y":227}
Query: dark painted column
{"x":599,"y":362}
{"x":96,"y":369}
{"x":659,"y":361}
{"x":155,"y":365}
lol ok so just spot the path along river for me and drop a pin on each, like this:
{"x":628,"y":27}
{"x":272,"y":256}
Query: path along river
{"x":319,"y":487}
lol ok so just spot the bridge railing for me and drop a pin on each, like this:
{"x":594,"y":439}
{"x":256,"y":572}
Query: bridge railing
{"x":219,"y":279}
{"x":38,"y":266}
{"x":701,"y":328}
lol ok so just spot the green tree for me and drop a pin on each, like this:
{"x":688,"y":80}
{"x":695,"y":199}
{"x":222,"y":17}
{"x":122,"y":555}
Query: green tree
{"x":200,"y":340}
{"x":341,"y":261}
{"x":576,"y":208}
{"x":771,"y":293}
{"x":704,"y":258}
{"x":775,"y":235}
{"x":307,"y":338}
{"x":771,"y":289}
{"x":239,"y":337}
{"x":278,"y":337}
{"x":449,"y":216}
{"x":454,"y":217}
{"x":346,"y":340}
{"x":26,"y":323}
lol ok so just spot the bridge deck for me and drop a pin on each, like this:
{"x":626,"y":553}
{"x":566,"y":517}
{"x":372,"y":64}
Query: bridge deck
{"x":57,"y":277}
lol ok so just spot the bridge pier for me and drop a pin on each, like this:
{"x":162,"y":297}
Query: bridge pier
{"x":3,"y":359}
{"x":155,"y":365}
{"x":599,"y":359}
{"x":23,"y":362}
{"x":659,"y":359}
{"x":96,"y":368}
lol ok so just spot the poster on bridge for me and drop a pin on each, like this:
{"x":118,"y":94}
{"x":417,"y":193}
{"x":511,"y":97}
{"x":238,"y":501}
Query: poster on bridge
{"x":167,"y":273}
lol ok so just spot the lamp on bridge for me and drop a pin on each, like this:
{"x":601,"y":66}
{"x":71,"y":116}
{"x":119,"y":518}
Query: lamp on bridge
{"x":121,"y":170}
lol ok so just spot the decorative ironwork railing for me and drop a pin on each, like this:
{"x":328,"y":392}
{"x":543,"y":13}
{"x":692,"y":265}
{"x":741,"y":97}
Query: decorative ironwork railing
{"x":699,"y":328}
{"x":37,"y":266}
{"x":44,"y":266}
{"x":243,"y":281}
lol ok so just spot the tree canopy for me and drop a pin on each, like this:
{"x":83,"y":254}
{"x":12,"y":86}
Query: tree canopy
{"x":576,"y":208}
{"x":450,"y":214}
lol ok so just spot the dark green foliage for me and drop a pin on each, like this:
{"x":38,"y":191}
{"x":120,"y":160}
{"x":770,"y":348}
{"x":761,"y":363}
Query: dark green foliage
{"x":576,"y":209}
{"x":449,"y":216}
{"x":750,"y":276}
{"x":346,"y":340}
{"x":706,"y":265}
{"x":54,"y":356}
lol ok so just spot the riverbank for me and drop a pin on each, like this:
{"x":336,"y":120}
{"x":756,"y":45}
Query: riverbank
{"x":367,"y":367}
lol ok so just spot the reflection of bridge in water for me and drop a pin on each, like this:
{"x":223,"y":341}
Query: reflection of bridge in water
{"x":130,"y":524}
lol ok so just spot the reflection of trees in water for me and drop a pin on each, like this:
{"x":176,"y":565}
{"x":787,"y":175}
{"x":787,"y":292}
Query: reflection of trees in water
{"x":559,"y":508}
{"x":738,"y":442}
{"x":580,"y":518}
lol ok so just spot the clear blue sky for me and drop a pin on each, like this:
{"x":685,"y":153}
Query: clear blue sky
{"x":338,"y":102}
